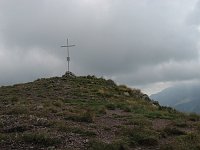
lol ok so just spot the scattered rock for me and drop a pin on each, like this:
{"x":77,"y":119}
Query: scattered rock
{"x":69,"y":74}
{"x":126,"y":94}
{"x":111,"y":83}
{"x":39,"y":107}
{"x":146,"y":97}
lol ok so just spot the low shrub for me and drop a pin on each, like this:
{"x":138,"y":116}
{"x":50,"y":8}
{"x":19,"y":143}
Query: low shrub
{"x":190,"y":141}
{"x":58,"y":103}
{"x":141,"y":137}
{"x":17,"y":110}
{"x":111,"y":106}
{"x":181,"y":124}
{"x":193,"y":117}
{"x":102,"y":110}
{"x":98,"y":145}
{"x":41,"y":139}
{"x":173,"y":131}
{"x":88,"y":116}
{"x":3,"y":137}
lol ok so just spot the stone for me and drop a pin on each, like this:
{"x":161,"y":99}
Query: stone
{"x":126,"y":94}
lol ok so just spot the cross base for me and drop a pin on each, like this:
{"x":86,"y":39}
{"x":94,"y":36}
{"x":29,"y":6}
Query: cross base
{"x":69,"y":74}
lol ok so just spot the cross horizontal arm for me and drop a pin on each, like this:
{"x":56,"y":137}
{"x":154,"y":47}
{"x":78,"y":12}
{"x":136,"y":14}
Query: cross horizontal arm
{"x":68,"y":45}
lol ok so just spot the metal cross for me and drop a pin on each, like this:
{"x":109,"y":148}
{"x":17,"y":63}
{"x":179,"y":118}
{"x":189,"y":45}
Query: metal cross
{"x":68,"y":58}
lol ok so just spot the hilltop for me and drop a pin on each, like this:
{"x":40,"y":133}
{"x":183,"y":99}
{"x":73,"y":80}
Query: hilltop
{"x":87,"y":112}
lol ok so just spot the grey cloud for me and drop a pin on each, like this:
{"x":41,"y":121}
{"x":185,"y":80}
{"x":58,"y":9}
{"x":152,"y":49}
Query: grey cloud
{"x":166,"y":72}
{"x":194,"y":18}
{"x":16,"y":68}
{"x":120,"y":38}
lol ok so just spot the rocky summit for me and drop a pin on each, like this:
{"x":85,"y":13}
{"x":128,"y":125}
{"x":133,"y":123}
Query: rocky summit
{"x":86,"y":112}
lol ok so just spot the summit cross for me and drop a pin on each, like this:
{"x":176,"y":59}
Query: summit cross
{"x":68,"y":57}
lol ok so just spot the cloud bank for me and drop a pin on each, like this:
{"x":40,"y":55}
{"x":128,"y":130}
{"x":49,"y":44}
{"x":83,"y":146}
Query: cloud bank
{"x":134,"y":42}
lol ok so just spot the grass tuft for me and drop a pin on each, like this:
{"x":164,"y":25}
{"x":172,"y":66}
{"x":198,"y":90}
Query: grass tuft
{"x":98,"y":145}
{"x":40,"y":139}
{"x":173,"y":131}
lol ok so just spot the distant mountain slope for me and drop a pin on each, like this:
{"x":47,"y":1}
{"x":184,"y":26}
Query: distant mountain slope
{"x":184,"y":97}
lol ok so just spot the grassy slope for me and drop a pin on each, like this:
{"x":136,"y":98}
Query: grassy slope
{"x":90,"y":113}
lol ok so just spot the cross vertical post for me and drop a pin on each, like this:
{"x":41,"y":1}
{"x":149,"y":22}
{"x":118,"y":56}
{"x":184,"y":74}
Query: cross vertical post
{"x":68,"y":57}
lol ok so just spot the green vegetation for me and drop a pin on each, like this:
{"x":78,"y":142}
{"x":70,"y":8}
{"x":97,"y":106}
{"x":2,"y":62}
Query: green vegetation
{"x":87,"y":116}
{"x":191,"y":141}
{"x":90,"y":113}
{"x":17,"y":110}
{"x":98,"y":145}
{"x":194,"y":117}
{"x":141,"y":136}
{"x":41,"y":139}
{"x":173,"y":131}
{"x":3,"y":137}
{"x":111,"y":106}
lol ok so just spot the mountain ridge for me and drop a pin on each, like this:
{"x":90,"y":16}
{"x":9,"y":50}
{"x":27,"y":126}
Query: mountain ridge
{"x":183,"y":97}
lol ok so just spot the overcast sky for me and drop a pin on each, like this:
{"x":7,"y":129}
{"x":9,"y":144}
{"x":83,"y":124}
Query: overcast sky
{"x":147,"y":44}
